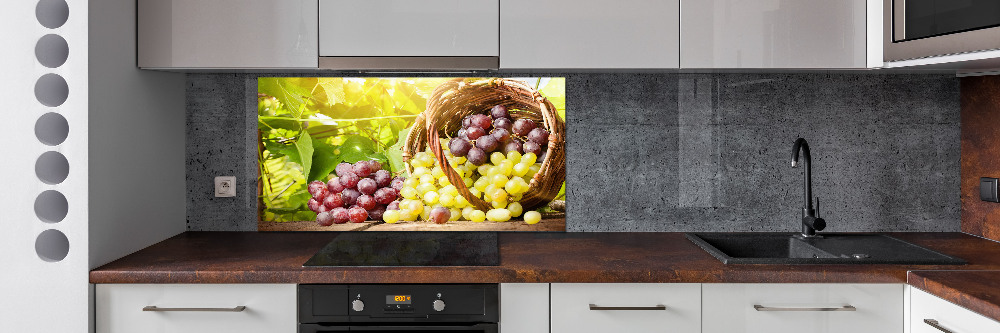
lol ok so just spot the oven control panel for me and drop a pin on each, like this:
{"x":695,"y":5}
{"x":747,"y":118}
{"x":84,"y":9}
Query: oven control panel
{"x":420,"y":299}
{"x":398,"y":303}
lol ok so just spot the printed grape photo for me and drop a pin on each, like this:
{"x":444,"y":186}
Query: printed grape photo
{"x":411,"y":154}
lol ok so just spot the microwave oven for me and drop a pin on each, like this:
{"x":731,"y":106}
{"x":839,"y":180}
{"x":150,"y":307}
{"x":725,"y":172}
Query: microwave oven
{"x":915,"y":29}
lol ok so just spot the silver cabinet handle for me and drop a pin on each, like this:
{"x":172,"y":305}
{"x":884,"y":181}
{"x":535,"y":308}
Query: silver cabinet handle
{"x":935,"y":324}
{"x":759,"y":307}
{"x":233,"y":309}
{"x":630,"y":308}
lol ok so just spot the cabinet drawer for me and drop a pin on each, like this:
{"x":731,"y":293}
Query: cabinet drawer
{"x":268,"y":308}
{"x":949,"y":316}
{"x":771,"y":308}
{"x":633,"y":308}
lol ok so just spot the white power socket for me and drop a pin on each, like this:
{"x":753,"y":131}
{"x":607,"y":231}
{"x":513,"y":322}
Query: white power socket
{"x":225,"y":186}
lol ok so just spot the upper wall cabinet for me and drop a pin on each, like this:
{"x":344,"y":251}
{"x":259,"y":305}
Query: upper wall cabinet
{"x":227,"y":34}
{"x":776,"y":33}
{"x":407,"y":34}
{"x":589,"y":34}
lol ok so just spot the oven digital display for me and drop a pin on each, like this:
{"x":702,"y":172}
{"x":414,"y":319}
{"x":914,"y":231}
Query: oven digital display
{"x":397,"y":299}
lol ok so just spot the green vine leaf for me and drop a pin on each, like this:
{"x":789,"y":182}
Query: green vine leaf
{"x":291,"y":95}
{"x":304,"y":147}
{"x":332,"y":91}
{"x":324,"y":161}
{"x":407,"y":99}
{"x":555,"y":91}
{"x":395,"y":153}
{"x":357,"y":148}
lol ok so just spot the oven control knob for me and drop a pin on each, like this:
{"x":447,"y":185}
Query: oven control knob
{"x":438,"y":305}
{"x":358,"y":305}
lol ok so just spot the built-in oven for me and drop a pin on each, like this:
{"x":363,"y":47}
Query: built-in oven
{"x":927,"y":28}
{"x":466,"y":308}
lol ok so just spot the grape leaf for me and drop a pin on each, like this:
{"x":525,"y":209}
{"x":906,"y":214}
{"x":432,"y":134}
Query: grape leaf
{"x":354,"y":92}
{"x":356,"y":148}
{"x":288,"y":93}
{"x":395,"y":153}
{"x":304,"y":147}
{"x":555,"y":91}
{"x":406,"y":98}
{"x":304,"y":215}
{"x":332,"y":90}
{"x":292,"y":153}
{"x":274,"y":149}
{"x":324,"y":161}
{"x":381,"y":99}
{"x":299,"y":199}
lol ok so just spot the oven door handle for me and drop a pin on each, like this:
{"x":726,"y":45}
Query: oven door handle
{"x":485,"y":328}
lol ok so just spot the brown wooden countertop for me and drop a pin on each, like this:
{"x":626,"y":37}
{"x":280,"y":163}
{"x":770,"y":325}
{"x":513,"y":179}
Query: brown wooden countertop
{"x":277,"y":257}
{"x":978,"y":291}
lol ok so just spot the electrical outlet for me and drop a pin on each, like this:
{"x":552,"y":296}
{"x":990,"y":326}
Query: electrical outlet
{"x":225,"y":186}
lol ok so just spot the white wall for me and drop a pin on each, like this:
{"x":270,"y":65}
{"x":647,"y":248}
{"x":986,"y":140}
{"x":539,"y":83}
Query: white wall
{"x":38,"y":295}
{"x":137,"y":184}
{"x":126,"y":132}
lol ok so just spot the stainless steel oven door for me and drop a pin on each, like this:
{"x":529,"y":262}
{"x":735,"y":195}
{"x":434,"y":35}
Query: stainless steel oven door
{"x":471,"y":328}
{"x":915,"y":29}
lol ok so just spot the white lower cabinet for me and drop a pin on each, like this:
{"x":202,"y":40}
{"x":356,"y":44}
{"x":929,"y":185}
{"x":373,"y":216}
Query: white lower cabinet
{"x":196,"y":308}
{"x":930,"y":314}
{"x":570,"y":308}
{"x":524,"y":308}
{"x":626,"y":307}
{"x":802,"y":308}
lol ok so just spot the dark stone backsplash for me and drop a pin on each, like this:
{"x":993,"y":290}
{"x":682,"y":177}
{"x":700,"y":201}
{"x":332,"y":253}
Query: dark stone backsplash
{"x":682,"y":152}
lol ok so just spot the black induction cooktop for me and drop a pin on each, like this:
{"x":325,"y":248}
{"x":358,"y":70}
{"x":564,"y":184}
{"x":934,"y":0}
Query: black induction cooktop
{"x":372,"y":248}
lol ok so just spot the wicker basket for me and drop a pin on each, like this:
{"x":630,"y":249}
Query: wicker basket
{"x":458,"y":98}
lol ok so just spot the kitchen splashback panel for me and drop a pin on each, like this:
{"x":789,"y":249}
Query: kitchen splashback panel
{"x":356,"y":153}
{"x":682,"y":152}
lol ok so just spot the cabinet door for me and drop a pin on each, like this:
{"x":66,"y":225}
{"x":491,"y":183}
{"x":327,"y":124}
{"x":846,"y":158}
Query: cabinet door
{"x":524,"y":308}
{"x":407,"y":28}
{"x":589,"y":34}
{"x":268,"y":308}
{"x":227,"y":34}
{"x":626,"y":307}
{"x":925,"y":307}
{"x":802,"y":308}
{"x":773,"y":34}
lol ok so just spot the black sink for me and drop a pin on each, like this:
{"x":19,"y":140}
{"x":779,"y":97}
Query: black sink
{"x":787,"y":248}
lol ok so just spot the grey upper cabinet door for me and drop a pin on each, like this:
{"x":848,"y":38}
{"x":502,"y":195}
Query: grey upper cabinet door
{"x":774,"y":34}
{"x":409,"y":28}
{"x":227,"y":34}
{"x":589,"y":34}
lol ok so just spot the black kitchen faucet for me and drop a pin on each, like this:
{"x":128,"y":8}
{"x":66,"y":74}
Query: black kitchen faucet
{"x":810,"y":222}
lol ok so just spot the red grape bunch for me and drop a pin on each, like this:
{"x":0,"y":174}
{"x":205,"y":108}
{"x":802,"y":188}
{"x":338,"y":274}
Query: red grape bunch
{"x":484,"y":134}
{"x":359,"y":192}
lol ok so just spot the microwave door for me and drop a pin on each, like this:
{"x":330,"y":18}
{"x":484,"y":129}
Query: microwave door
{"x":914,"y":29}
{"x":916,"y":19}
